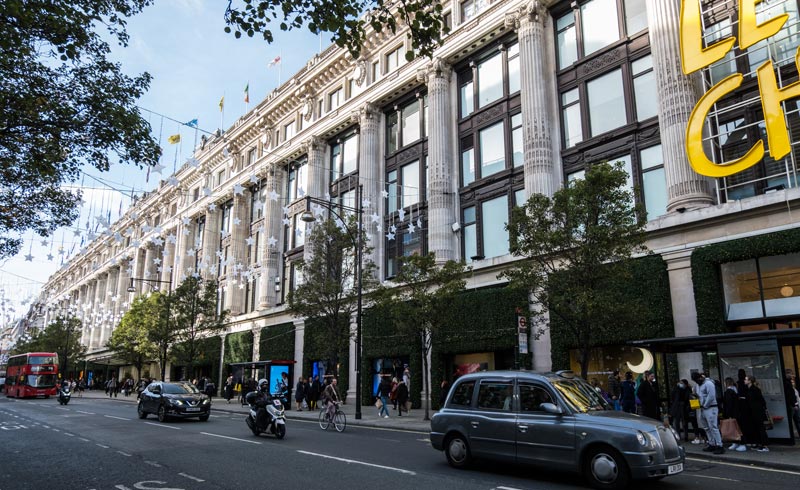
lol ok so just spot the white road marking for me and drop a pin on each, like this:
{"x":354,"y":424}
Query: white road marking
{"x":113,"y":417}
{"x":68,"y":434}
{"x":164,"y":426}
{"x":200,"y":480}
{"x":505,"y":488}
{"x":45,"y":426}
{"x":57,"y":408}
{"x":83,"y":439}
{"x":87,"y":413}
{"x":231,"y":438}
{"x":123,"y":453}
{"x":353,"y":461}
{"x":56,"y":430}
{"x":714,"y":477}
{"x":102,"y":446}
{"x":364,"y":427}
{"x":428,"y":440}
{"x":747,"y":466}
{"x":153,"y":463}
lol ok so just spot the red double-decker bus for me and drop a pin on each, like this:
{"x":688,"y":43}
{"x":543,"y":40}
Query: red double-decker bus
{"x":32,"y":374}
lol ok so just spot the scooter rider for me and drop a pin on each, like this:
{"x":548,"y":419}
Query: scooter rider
{"x":263,"y":399}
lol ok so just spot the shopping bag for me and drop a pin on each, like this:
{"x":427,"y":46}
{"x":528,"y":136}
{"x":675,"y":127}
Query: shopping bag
{"x":408,"y":406}
{"x":730,"y":430}
{"x":694,"y":403}
{"x":378,"y":404}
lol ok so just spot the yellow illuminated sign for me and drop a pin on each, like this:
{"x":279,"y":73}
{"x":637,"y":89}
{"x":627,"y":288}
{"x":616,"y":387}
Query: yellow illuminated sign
{"x":694,"y":56}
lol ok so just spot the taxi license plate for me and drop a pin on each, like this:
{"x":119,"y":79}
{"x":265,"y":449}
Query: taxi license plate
{"x":197,"y":409}
{"x":675,"y":468}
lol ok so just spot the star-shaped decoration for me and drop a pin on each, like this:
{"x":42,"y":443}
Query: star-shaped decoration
{"x":212,"y":270}
{"x":390,"y":236}
{"x":146,"y":273}
{"x":286,"y":221}
{"x":254,"y":179}
{"x":157,"y":261}
{"x":167,"y":269}
{"x":212,"y":207}
{"x":206,"y":192}
{"x":173,"y":181}
{"x":118,"y":237}
{"x":186,"y":232}
{"x":299,"y":232}
{"x":379,"y":228}
{"x":375,"y":218}
{"x":193,"y":162}
{"x":419,"y":223}
{"x":238,"y":189}
{"x":285,"y":210}
{"x":411,"y":228}
{"x":401,"y":214}
{"x":258,"y":206}
{"x":186,"y":220}
{"x":366,"y":203}
{"x":158,"y":241}
{"x":146,"y":229}
{"x":50,"y":257}
{"x":44,"y":243}
{"x":129,"y":270}
{"x":250,"y":241}
{"x":261,"y":229}
{"x":165,"y":253}
{"x":241,"y":285}
{"x":301,"y":192}
{"x":134,"y":215}
{"x":183,"y":277}
{"x":236,"y":221}
{"x":113,"y":261}
{"x":219,"y":254}
{"x":171,"y":238}
{"x":271,"y":241}
{"x":158,"y":168}
{"x":385,"y":194}
{"x":129,"y":231}
{"x":273,"y":196}
{"x":225,"y":234}
{"x":76,"y":232}
{"x":114,"y":299}
{"x":393,"y":229}
{"x":29,"y":258}
{"x":190,"y":252}
{"x":91,"y":236}
{"x":196,"y":275}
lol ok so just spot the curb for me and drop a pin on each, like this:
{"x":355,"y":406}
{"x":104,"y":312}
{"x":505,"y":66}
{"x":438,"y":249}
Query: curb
{"x":745,"y":462}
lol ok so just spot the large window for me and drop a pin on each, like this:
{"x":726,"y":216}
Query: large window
{"x":494,"y":219}
{"x":763,"y":287}
{"x":407,"y":124}
{"x":654,"y":181}
{"x":335,"y":99}
{"x":492,"y":149}
{"x":471,"y":8}
{"x":606,"y":103}
{"x":344,"y":155}
{"x":497,"y":76}
{"x":298,"y":180}
{"x":394,"y":59}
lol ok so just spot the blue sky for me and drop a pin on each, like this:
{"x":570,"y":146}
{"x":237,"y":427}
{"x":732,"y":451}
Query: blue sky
{"x":182,"y":44}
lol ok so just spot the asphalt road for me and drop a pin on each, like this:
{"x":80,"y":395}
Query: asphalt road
{"x":101,"y":444}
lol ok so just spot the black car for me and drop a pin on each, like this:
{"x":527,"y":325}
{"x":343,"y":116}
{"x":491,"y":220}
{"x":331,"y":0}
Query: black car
{"x":173,"y":400}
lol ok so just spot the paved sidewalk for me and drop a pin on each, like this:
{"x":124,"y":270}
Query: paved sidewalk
{"x":779,"y":457}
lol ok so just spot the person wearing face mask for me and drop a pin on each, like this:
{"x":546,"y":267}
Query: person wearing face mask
{"x":648,"y":395}
{"x":679,"y":408}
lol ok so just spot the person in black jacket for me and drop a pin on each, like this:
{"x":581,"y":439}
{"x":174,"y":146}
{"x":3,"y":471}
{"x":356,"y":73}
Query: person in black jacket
{"x":648,"y":395}
{"x":758,"y":410}
{"x":679,"y":408}
{"x":300,"y":393}
{"x":384,"y":388}
{"x":628,"y":394}
{"x":402,"y":397}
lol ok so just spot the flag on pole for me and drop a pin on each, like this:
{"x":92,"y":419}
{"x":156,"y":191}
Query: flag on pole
{"x":192,"y":123}
{"x":247,"y":93}
{"x":174,"y":139}
{"x":221,"y":103}
{"x":276,"y":61}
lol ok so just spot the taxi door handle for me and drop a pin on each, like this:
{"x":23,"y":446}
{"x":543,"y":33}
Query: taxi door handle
{"x":475,"y":424}
{"x":523,"y":428}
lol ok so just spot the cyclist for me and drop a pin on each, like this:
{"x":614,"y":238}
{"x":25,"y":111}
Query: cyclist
{"x":331,"y":398}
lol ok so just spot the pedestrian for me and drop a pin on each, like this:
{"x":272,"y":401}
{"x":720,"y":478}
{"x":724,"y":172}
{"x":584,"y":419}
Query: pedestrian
{"x":444,"y":389}
{"x":679,"y":409}
{"x":407,"y":377}
{"x":709,"y":410}
{"x":112,"y":386}
{"x":758,"y":410}
{"x":285,"y":390}
{"x":300,"y":393}
{"x":384,"y":389}
{"x":227,"y":390}
{"x":401,"y":397}
{"x":315,"y":392}
{"x":393,"y":393}
{"x":791,"y":399}
{"x":628,"y":398}
{"x":795,"y":413}
{"x":648,"y":395}
{"x":615,"y":389}
{"x":209,"y":388}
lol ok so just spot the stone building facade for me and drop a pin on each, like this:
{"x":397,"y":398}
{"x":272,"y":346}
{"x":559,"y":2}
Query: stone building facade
{"x":522,"y":96}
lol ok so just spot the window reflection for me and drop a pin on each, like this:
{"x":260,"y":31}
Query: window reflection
{"x":599,"y":24}
{"x":490,"y":80}
{"x":493,"y":149}
{"x":606,"y":102}
{"x":494,"y":216}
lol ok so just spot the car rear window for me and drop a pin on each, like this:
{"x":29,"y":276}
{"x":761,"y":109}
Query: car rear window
{"x":462,"y":395}
{"x":495,"y":395}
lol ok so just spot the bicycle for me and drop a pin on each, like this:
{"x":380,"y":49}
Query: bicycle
{"x":339,"y":419}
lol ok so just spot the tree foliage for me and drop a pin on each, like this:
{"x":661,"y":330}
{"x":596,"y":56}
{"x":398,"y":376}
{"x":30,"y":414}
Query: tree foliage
{"x":62,"y":336}
{"x":421,"y":301}
{"x":346,"y":20}
{"x":575,"y":246}
{"x":194,"y":317}
{"x":65,"y":104}
{"x":328,"y":292}
{"x":151,"y":314}
{"x":131,"y":340}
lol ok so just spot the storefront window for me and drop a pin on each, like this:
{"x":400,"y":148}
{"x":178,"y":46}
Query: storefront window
{"x":742,"y":296}
{"x":780,"y":280}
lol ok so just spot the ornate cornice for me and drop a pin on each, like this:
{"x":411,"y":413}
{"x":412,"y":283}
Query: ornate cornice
{"x":534,"y":11}
{"x":368,"y":111}
{"x":437,"y":68}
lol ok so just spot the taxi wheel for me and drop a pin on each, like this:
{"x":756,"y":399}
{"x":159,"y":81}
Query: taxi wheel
{"x":457,"y":451}
{"x":141,"y":412}
{"x":605,"y":468}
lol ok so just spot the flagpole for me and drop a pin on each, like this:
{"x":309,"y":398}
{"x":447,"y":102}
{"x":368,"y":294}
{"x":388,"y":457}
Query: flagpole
{"x":280,"y":66}
{"x":222,"y":114}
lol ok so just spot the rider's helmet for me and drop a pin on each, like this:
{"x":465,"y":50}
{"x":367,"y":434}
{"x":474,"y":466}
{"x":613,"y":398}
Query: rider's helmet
{"x":263,"y":385}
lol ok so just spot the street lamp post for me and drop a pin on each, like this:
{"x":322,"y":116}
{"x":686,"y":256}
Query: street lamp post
{"x":132,"y":289}
{"x":358,"y":243}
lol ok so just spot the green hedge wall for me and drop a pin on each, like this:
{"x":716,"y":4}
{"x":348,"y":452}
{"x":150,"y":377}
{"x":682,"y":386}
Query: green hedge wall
{"x":277,"y":342}
{"x":649,"y":283}
{"x":380,"y":339}
{"x":238,"y":347}
{"x":482,"y":320}
{"x":208,"y":350}
{"x":708,"y":293}
{"x":315,"y":347}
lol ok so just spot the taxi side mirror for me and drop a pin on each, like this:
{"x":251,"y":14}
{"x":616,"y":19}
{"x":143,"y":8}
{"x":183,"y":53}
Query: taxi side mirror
{"x":550,"y":408}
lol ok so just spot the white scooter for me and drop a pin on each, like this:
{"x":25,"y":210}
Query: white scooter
{"x":275,"y":422}
{"x":64,"y":394}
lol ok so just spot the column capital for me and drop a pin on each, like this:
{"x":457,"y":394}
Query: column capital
{"x":437,"y":68}
{"x":366,"y":112}
{"x":533,"y":10}
{"x":314,"y":143}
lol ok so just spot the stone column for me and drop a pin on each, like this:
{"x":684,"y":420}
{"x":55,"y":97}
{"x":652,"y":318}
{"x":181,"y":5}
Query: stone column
{"x":370,"y":176}
{"x":684,"y":310}
{"x":539,"y":339}
{"x":210,"y":242}
{"x":149,"y":266}
{"x":530,"y":22}
{"x":97,"y":309}
{"x":317,"y":178}
{"x":80,"y":314}
{"x":108,"y":306}
{"x":239,"y":233}
{"x":139,"y":268}
{"x":222,"y":358}
{"x":256,"y":342}
{"x":123,"y":281}
{"x":441,"y":194}
{"x":271,"y":260}
{"x":677,"y":96}
{"x":299,"y":346}
{"x":168,"y":261}
{"x":182,"y":259}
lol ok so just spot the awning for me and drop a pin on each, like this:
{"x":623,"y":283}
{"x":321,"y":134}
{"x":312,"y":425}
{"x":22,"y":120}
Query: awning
{"x":705,"y":343}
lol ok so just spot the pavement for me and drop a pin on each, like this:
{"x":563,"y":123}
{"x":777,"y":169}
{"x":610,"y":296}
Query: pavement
{"x":780,"y":457}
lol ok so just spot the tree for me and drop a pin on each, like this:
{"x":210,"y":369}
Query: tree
{"x":65,"y":105}
{"x":194,"y":316}
{"x":420,"y":301}
{"x":151,"y":313}
{"x":575,"y":247}
{"x":329,"y":289}
{"x":61,"y":336}
{"x":130,"y":340}
{"x":346,"y":20}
